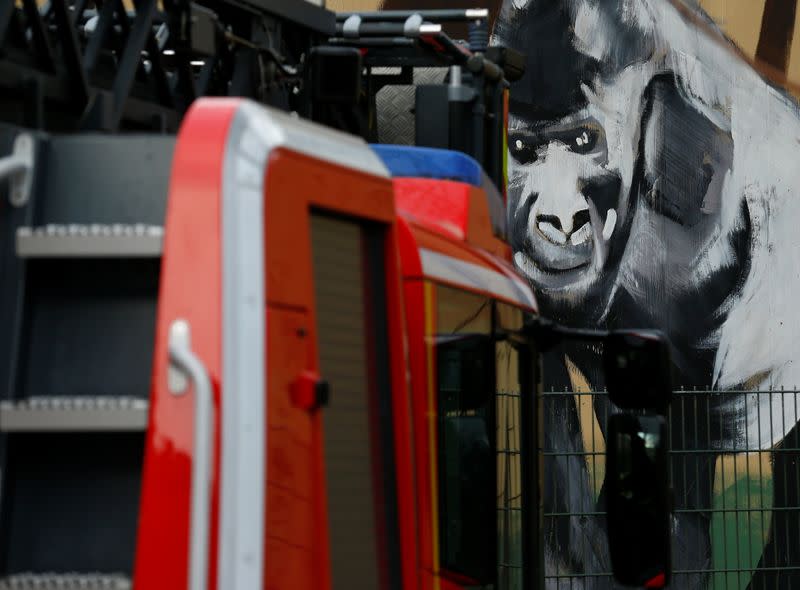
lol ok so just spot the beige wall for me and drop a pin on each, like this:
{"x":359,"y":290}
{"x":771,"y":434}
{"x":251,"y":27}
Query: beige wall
{"x":794,"y":55}
{"x":347,"y":5}
{"x":740,"y":19}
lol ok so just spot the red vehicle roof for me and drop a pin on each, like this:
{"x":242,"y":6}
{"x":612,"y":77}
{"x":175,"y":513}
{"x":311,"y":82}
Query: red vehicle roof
{"x":447,"y":236}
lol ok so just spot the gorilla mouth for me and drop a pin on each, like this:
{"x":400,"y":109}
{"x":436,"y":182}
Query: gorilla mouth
{"x":553,"y":270}
{"x":556,"y":279}
{"x":558,"y":260}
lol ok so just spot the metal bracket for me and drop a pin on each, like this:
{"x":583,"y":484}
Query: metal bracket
{"x":351,"y":27}
{"x":411,"y":28}
{"x":18,"y":168}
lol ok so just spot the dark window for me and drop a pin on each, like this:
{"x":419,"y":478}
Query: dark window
{"x":466,"y":441}
{"x":479,"y":439}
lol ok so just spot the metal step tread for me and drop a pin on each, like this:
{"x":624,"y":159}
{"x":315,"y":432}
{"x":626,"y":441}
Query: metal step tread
{"x":74,"y":414}
{"x":72,"y":581}
{"x":90,"y":241}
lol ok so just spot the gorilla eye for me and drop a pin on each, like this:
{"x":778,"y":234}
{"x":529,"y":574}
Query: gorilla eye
{"x":522,"y":148}
{"x":584,"y":141}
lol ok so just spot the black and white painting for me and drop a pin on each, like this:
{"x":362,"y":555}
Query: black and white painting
{"x":654,"y":182}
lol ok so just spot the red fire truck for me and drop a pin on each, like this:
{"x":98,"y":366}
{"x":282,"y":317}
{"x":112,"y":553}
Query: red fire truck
{"x":294,"y":264}
{"x":261,"y":353}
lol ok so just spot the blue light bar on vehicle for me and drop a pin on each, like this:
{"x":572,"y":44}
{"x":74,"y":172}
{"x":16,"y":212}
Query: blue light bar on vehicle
{"x":438,"y":164}
{"x":423,"y":162}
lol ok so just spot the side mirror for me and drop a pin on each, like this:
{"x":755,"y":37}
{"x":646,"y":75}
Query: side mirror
{"x":638,"y":373}
{"x":638,"y":370}
{"x":638,"y":377}
{"x":638,"y":500}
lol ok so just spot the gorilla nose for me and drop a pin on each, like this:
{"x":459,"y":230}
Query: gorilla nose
{"x":559,"y":230}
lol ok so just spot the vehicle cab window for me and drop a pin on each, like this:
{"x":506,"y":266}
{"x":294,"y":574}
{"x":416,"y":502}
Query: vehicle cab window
{"x":479,"y":367}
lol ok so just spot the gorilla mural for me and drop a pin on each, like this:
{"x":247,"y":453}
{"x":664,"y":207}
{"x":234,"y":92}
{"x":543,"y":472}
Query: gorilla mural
{"x":653,"y":183}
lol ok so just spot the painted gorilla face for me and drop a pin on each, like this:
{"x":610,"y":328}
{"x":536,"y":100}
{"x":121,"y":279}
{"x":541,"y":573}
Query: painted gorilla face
{"x":569,"y":181}
{"x":564,"y":196}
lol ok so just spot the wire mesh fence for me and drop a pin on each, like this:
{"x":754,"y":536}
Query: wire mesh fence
{"x":509,"y":490}
{"x":735,"y":472}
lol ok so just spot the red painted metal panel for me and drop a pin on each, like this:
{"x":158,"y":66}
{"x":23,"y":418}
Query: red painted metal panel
{"x":291,"y":479}
{"x":404,"y":425}
{"x":453,"y":210}
{"x":190,"y":288}
{"x":414,"y":295}
{"x":440,"y":205}
{"x":294,"y":185}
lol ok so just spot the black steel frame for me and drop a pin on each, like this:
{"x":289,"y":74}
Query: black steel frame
{"x":73,"y":65}
{"x":93,"y":65}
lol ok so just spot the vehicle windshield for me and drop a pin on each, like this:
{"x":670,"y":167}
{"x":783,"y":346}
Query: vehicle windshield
{"x":480,"y":438}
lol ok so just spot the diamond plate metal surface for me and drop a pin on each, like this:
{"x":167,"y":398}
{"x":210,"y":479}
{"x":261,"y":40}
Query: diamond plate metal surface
{"x":395,"y":107}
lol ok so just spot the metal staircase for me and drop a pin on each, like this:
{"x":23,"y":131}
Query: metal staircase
{"x":83,"y":248}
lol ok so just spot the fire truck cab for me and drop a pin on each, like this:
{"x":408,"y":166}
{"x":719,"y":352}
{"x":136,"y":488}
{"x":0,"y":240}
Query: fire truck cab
{"x":360,"y":333}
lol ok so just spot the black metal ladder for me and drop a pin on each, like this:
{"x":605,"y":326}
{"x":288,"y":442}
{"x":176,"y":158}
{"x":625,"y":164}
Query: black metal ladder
{"x":79,"y":270}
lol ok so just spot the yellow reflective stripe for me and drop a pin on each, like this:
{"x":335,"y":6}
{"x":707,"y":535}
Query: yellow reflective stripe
{"x":430,"y":339}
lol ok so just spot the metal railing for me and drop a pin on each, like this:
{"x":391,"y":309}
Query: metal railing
{"x":509,"y":491}
{"x":737,"y":507}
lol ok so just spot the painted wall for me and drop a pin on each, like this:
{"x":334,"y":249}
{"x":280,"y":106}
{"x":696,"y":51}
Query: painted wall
{"x":741,"y":21}
{"x":654,"y":184}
